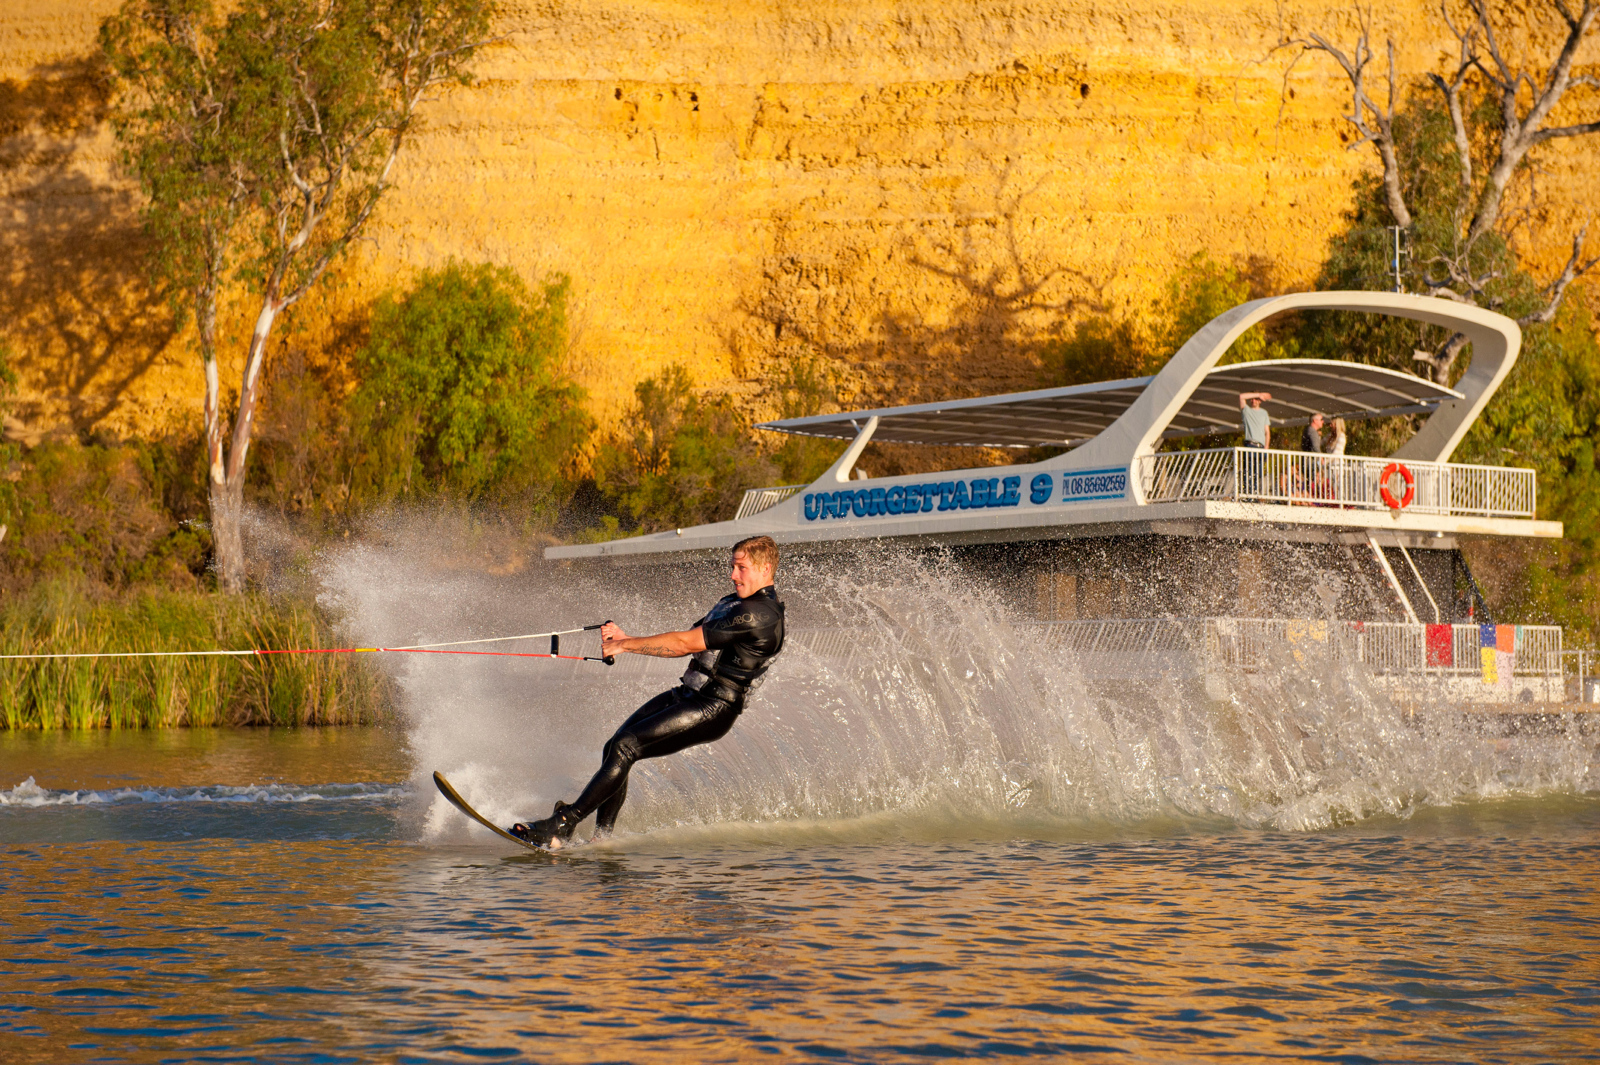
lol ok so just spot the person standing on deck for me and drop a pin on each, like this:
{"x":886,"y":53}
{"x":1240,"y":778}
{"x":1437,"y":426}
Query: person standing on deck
{"x":1257,"y":434}
{"x":733,"y":645}
{"x":1335,"y":444}
{"x":1257,"y":422}
{"x":1311,"y":438}
{"x":1312,"y":441}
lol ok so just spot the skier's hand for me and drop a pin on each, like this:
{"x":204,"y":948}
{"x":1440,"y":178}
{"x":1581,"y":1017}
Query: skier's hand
{"x":611,"y":633}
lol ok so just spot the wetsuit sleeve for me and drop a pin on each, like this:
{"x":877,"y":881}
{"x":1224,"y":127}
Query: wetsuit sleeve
{"x":750,"y":621}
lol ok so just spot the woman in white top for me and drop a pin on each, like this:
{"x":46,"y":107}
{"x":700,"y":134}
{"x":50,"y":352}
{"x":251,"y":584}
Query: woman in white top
{"x":1336,"y":443}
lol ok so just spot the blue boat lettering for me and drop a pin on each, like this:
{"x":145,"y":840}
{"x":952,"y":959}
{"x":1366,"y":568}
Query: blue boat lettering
{"x":977,"y":493}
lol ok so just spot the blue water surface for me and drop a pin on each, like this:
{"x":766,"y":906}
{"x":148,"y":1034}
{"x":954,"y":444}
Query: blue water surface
{"x":152,"y":910}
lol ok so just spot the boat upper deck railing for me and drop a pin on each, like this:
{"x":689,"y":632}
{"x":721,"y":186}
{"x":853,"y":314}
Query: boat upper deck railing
{"x":1297,"y":478}
{"x":1353,"y":482}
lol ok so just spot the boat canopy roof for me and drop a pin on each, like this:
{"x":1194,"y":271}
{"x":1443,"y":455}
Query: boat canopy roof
{"x":1071,"y":415}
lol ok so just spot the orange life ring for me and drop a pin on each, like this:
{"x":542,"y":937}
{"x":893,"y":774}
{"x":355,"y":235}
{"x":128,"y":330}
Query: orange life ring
{"x":1388,"y":496}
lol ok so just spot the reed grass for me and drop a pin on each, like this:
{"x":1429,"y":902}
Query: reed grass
{"x":174,"y":692}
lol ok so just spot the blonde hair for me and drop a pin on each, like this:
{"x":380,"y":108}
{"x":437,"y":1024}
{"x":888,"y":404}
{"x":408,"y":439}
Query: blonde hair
{"x":759,"y":551}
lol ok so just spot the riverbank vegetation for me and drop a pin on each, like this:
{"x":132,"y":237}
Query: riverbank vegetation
{"x":103,"y":551}
{"x":454,"y":394}
{"x":68,"y":617}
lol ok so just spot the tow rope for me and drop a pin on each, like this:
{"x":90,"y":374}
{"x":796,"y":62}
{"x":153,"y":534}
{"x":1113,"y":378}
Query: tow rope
{"x":416,"y":648}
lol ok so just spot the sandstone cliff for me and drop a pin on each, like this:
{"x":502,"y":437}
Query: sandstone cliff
{"x":917,"y":189}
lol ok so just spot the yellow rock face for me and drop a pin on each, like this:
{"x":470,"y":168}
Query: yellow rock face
{"x":919,"y":190}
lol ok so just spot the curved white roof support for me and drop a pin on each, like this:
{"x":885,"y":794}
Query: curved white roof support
{"x":1495,"y":339}
{"x":840,"y":470}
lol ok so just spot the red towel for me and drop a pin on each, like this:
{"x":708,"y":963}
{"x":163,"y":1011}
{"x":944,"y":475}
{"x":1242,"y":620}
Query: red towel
{"x":1441,"y":645}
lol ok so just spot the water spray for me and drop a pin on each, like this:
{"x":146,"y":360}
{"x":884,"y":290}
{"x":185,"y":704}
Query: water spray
{"x":450,"y":648}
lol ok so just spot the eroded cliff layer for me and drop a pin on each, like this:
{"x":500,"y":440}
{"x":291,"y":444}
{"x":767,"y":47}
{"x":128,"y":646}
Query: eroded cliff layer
{"x":919,"y":190}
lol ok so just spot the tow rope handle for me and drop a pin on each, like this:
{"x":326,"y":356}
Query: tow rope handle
{"x":609,"y":660}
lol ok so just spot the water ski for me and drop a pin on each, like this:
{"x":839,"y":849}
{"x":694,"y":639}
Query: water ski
{"x":461,"y":804}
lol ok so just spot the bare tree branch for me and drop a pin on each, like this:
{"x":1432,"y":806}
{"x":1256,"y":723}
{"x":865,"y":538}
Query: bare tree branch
{"x":1520,"y":133}
{"x":1380,"y":130}
{"x":1566,"y":131}
{"x":1527,"y":93}
{"x":1576,"y":267}
{"x":1466,"y":62}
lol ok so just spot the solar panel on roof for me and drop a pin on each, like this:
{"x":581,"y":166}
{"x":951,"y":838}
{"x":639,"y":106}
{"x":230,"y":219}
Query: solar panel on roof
{"x":1076,"y":413}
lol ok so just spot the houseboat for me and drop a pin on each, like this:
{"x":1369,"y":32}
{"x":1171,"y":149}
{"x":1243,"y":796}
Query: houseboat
{"x":1132,"y":538}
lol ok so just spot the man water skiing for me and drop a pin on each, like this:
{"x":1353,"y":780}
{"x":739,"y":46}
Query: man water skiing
{"x":732,"y":647}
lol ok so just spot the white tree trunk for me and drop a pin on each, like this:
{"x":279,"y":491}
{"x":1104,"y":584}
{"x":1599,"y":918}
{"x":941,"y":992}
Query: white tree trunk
{"x":227,"y":470}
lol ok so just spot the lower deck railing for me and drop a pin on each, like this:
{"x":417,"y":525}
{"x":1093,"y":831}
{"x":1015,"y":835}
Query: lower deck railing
{"x":1385,"y":647}
{"x":1394,"y":648}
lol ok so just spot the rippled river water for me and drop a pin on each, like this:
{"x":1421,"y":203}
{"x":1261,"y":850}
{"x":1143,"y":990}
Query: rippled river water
{"x":266,"y":896}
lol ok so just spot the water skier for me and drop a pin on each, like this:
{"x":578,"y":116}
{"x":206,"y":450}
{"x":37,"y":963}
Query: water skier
{"x":732,"y":647}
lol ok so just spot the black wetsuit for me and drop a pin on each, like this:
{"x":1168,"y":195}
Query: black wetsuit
{"x":743,"y":636}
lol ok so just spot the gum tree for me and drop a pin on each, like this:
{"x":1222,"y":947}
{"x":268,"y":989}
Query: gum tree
{"x":1506,"y":94}
{"x":263,"y":138}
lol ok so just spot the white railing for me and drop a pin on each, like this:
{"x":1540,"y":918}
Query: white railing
{"x":758,"y":499}
{"x":1253,"y":643}
{"x":1396,"y":648}
{"x":1121,"y":635}
{"x":1348,"y":481}
{"x":1403,"y":647}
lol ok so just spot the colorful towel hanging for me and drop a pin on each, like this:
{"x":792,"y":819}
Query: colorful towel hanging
{"x":1441,"y":646}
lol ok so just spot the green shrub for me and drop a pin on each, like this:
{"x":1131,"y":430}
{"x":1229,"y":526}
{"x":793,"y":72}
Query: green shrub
{"x":1108,"y":347}
{"x":680,"y":459}
{"x":462,"y":389}
{"x":455,"y":391}
{"x":1098,"y":349}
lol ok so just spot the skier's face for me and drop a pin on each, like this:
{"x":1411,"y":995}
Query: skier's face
{"x":747,"y":577}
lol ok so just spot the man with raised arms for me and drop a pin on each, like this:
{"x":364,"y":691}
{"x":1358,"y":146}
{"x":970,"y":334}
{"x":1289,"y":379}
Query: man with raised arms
{"x":1257,"y":423}
{"x":732,"y":647}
